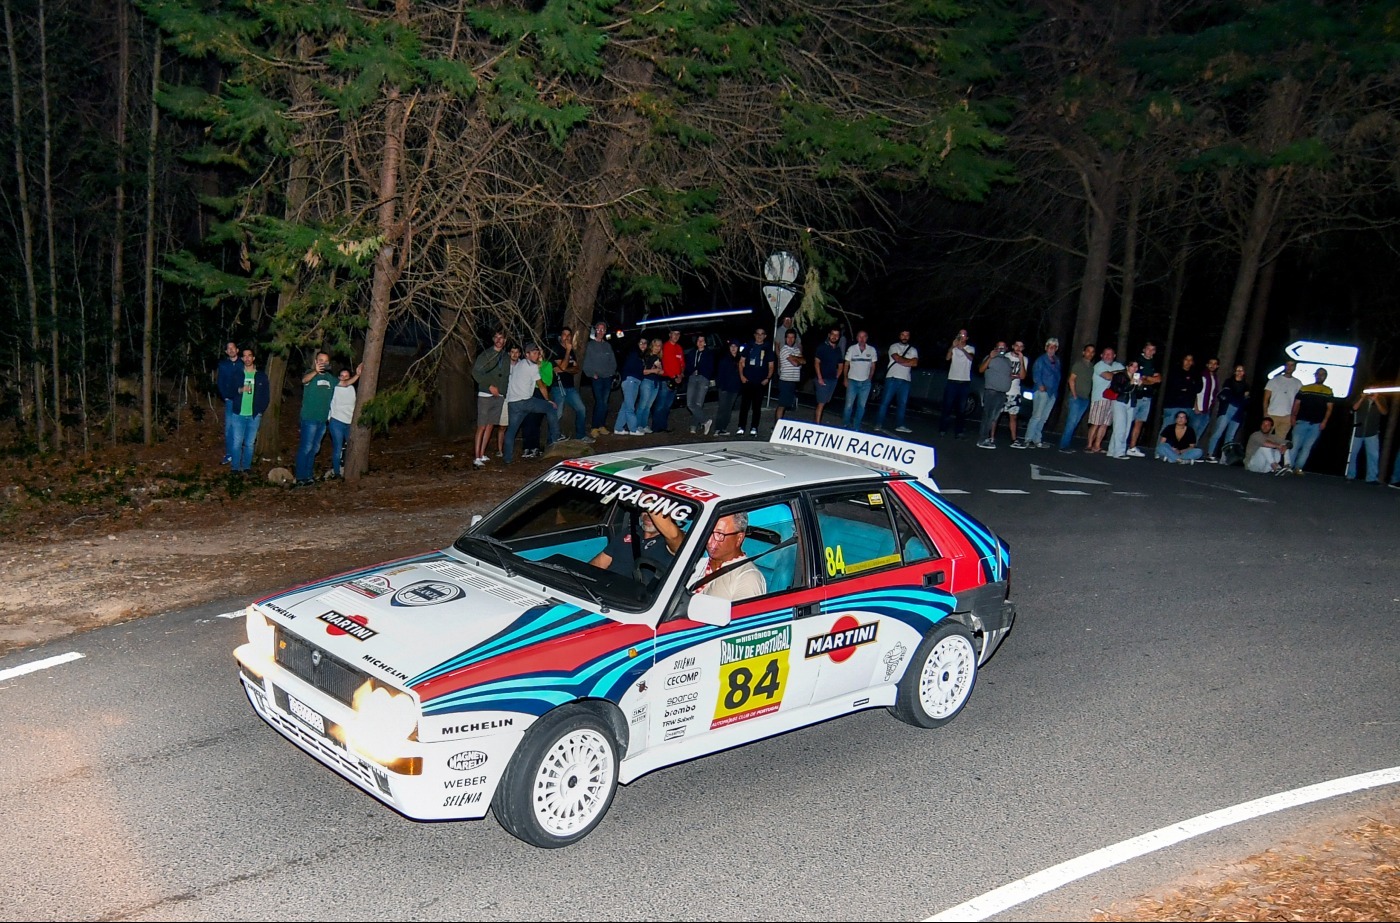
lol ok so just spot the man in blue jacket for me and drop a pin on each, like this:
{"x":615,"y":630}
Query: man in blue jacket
{"x":250,"y":401}
{"x":1046,"y":374}
{"x":229,"y":381}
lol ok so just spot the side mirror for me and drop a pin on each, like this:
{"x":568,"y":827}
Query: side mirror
{"x":708,"y":610}
{"x":476,"y":519}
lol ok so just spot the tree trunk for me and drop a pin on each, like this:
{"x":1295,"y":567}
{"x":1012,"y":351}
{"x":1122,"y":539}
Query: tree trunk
{"x":1103,"y":208}
{"x":148,"y":384}
{"x":55,"y":368}
{"x":1280,"y":120}
{"x":386,"y":273}
{"x":455,"y":410}
{"x":1059,"y":322}
{"x":114,"y":354}
{"x":1130,"y":234}
{"x":1174,"y":298}
{"x":1258,"y":315}
{"x":27,"y":244}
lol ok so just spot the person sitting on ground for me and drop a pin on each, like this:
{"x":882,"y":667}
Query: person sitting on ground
{"x":1266,"y":452}
{"x":725,"y":546}
{"x":659,"y":542}
{"x":1178,"y":441}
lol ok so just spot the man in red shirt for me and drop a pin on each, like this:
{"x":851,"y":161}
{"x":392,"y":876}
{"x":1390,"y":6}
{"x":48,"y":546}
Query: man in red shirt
{"x":673,"y":365}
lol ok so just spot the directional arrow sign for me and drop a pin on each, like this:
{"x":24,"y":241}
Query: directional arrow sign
{"x":1037,"y":474}
{"x":1338,"y":360}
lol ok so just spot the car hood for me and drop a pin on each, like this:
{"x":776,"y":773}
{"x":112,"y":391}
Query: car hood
{"x":400,"y":620}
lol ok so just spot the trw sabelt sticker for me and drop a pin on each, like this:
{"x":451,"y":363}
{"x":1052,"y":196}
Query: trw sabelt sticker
{"x":753,"y":674}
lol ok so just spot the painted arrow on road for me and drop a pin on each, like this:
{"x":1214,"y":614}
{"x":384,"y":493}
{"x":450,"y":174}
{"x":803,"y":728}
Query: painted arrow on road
{"x":1037,"y":474}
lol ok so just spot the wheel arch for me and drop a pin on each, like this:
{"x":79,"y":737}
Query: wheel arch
{"x":612,"y":716}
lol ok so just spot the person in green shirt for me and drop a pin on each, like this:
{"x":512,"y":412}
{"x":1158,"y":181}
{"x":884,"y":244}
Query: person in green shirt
{"x":318,"y":388}
{"x":250,"y":400}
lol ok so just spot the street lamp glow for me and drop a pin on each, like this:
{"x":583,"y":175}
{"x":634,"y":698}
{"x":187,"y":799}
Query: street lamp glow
{"x":706,"y":315}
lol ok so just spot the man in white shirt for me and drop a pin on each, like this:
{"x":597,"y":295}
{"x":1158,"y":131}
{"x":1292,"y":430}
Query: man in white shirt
{"x":860,"y":367}
{"x":790,"y":361}
{"x":527,"y":394}
{"x":899,"y":372}
{"x":1279,"y":394}
{"x":960,"y":357}
{"x":725,"y":546}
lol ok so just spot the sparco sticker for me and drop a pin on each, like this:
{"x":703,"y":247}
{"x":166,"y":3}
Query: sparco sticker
{"x":427,"y":593}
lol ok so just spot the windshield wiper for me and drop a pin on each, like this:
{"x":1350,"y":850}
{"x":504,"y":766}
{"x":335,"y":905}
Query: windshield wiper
{"x":496,"y":546}
{"x":579,"y":580}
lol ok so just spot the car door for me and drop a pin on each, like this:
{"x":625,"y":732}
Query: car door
{"x":882,"y":577}
{"x":711,"y":678}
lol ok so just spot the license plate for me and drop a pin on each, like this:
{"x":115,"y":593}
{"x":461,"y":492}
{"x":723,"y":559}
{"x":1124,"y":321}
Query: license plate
{"x":307,"y":715}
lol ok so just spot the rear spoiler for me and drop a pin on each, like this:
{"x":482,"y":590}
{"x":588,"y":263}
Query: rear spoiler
{"x":880,"y":451}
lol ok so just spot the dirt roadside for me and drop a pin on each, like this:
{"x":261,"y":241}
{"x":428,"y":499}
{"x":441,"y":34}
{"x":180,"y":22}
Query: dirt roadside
{"x":93,"y":541}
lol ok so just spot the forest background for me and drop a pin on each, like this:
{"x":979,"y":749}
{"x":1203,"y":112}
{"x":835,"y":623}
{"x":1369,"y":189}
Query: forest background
{"x":390,"y":180}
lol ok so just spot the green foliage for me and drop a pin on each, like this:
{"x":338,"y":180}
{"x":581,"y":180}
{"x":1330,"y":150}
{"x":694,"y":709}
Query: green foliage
{"x":392,"y":405}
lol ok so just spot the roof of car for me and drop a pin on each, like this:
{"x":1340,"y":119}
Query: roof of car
{"x":725,"y":470}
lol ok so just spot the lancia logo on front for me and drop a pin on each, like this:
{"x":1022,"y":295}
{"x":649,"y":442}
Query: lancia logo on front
{"x":315,"y":658}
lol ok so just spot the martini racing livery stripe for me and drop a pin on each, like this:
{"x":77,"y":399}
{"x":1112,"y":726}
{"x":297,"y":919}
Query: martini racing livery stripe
{"x":347,"y":576}
{"x":971,"y":535}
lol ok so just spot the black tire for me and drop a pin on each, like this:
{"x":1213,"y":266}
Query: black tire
{"x":972,"y":407}
{"x":939,"y":679}
{"x":561,"y":780}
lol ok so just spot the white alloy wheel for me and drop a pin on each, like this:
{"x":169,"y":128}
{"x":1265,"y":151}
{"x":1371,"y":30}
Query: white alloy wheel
{"x":574,"y":782}
{"x":946,"y":679}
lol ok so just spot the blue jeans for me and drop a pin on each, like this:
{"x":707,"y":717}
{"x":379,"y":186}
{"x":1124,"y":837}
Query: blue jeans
{"x":1226,"y":425}
{"x":954,"y":397}
{"x":1303,"y":437}
{"x":228,"y":429}
{"x":1372,"y":446}
{"x":627,"y":413}
{"x":340,"y":434}
{"x":245,"y":434}
{"x":645,"y":398}
{"x":1035,"y":429}
{"x":1199,"y":422}
{"x":661,"y":407}
{"x":312,"y":432}
{"x":1078,"y":407}
{"x":857,"y":393}
{"x":518,"y":411}
{"x":1122,"y":424}
{"x":1171,"y":454}
{"x":569,"y":397}
{"x":896,"y":390}
{"x":602,"y":393}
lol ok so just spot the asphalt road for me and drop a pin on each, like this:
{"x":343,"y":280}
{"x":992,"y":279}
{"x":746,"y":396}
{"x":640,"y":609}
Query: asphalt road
{"x":1189,"y":638}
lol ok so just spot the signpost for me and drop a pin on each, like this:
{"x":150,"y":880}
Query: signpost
{"x":779,"y":274}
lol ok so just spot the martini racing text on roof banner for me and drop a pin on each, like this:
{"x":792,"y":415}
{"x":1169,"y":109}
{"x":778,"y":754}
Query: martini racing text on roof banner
{"x":608,"y":490}
{"x":909,"y":457}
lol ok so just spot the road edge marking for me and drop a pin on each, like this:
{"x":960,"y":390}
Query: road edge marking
{"x":38,"y":665}
{"x":1043,"y":882}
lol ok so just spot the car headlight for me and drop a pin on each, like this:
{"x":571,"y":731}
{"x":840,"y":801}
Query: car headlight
{"x":260,"y":631}
{"x":387,"y":721}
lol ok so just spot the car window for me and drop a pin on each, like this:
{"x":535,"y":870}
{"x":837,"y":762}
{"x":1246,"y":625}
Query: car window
{"x":857,"y":532}
{"x":914,"y":545}
{"x":772,"y":543}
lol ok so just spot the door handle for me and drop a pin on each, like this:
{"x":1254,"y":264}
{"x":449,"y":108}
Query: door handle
{"x":934,"y":579}
{"x":806,"y":610}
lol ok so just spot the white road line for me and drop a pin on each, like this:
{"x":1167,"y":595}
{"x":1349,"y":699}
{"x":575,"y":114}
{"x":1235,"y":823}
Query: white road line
{"x":1070,"y":493}
{"x":38,"y":665}
{"x":1255,"y":500}
{"x":1005,"y":490}
{"x":1033,"y":886}
{"x":1216,"y":486}
{"x":1128,"y":493}
{"x":952,"y":490}
{"x":235,"y":614}
{"x":1065,"y":476}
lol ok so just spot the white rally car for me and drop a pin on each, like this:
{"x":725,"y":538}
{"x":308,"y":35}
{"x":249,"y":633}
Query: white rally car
{"x":514,"y":671}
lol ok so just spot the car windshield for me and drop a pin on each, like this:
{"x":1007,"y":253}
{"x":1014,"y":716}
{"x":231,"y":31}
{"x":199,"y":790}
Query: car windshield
{"x":586,"y":534}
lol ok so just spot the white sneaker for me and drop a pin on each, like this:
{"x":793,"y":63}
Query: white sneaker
{"x":740,"y":432}
{"x":902,"y":429}
{"x":707,"y":426}
{"x":480,"y":461}
{"x":1135,"y":452}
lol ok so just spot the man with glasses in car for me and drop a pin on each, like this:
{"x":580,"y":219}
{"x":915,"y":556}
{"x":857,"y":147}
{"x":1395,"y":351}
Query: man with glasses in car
{"x":725,"y":546}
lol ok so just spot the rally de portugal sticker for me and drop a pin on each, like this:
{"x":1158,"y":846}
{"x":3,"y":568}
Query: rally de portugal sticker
{"x":752,"y":674}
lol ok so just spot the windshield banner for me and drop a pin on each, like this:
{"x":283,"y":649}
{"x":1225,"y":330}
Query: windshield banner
{"x":609,"y":490}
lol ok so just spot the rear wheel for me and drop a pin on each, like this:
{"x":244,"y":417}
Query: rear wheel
{"x":561,"y":780}
{"x":939,"y":679}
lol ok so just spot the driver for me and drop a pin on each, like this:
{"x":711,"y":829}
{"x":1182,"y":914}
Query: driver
{"x":724,"y":546}
{"x":660,"y":540}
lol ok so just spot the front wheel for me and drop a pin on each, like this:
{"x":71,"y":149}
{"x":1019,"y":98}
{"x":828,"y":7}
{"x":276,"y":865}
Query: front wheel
{"x":561,"y":780}
{"x":939,"y":679}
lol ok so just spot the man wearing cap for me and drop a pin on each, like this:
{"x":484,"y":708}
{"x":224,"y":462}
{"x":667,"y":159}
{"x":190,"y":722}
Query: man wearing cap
{"x":1046,"y":374}
{"x":527,"y":394}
